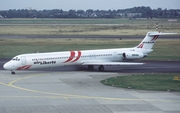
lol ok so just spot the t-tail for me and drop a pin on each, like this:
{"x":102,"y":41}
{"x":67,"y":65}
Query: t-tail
{"x":150,"y":39}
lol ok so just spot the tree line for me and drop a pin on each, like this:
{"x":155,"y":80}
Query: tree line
{"x":135,"y":12}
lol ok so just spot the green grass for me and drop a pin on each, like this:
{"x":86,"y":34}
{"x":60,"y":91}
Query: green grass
{"x":10,"y":47}
{"x":63,"y":21}
{"x":132,"y":30}
{"x":85,"y":26}
{"x":157,"y":82}
{"x":81,"y":21}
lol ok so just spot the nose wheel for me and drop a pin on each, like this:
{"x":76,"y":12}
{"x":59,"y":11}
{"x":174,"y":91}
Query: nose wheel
{"x":12,"y":72}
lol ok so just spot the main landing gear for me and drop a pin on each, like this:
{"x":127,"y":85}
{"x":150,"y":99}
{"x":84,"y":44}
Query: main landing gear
{"x":12,"y":72}
{"x":90,"y":67}
{"x":100,"y":68}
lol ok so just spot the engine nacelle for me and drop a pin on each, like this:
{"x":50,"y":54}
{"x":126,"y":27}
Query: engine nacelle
{"x":133,"y":55}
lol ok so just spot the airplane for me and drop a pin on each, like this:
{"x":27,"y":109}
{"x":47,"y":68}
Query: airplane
{"x":89,"y":58}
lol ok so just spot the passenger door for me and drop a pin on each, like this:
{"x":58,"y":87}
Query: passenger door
{"x":23,"y":59}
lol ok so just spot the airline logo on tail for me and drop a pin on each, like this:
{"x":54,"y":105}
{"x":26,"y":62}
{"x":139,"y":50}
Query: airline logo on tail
{"x":140,"y":46}
{"x":152,"y":41}
{"x":155,"y":38}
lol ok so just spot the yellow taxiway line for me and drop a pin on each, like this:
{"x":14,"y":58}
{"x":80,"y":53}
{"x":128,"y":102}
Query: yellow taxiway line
{"x":68,"y":96}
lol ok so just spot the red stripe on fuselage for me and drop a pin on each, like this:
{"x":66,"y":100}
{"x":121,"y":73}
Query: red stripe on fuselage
{"x":72,"y":54}
{"x":27,"y":67}
{"x":79,"y":55}
{"x":20,"y":68}
{"x":24,"y":67}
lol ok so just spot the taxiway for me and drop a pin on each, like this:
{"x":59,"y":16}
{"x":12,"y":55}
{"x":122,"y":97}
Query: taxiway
{"x":76,"y":90}
{"x":148,"y":67}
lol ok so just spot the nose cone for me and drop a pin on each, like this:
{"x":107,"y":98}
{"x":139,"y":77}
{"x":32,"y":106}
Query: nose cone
{"x":8,"y":66}
{"x":5,"y":66}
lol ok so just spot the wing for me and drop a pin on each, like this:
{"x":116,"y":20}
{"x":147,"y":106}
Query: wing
{"x":111,"y":63}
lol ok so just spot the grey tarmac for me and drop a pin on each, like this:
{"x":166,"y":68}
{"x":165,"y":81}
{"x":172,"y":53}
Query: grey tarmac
{"x":74,"y":90}
{"x":148,"y":67}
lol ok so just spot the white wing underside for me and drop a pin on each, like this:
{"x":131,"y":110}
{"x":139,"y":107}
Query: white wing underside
{"x":111,"y":63}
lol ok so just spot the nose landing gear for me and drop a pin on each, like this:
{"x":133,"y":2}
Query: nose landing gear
{"x":12,"y":72}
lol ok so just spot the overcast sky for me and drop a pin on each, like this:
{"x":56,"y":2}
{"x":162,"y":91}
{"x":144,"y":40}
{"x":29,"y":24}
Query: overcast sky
{"x":87,"y":4}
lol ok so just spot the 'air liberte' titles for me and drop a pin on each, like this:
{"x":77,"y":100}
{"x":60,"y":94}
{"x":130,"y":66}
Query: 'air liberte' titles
{"x":45,"y":62}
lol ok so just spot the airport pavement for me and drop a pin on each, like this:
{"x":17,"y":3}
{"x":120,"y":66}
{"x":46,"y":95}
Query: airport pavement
{"x":78,"y":92}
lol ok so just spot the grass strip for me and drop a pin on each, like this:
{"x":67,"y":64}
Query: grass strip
{"x":10,"y":47}
{"x":157,"y":82}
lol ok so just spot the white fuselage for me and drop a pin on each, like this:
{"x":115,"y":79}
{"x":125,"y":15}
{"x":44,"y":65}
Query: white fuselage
{"x":55,"y":59}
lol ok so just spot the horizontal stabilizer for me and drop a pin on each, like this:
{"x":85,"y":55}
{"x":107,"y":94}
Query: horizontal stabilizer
{"x":159,"y":33}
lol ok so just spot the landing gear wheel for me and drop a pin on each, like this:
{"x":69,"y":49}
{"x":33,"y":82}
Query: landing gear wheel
{"x":101,"y":68}
{"x":90,"y":67}
{"x":13,"y":73}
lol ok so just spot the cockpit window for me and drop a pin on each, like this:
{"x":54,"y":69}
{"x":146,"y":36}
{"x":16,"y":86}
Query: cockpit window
{"x":16,"y":59}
